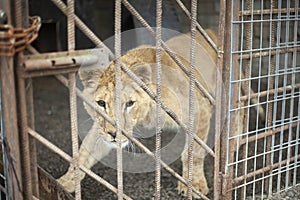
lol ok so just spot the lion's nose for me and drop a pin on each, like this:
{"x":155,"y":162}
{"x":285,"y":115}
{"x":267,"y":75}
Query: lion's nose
{"x":113,"y":134}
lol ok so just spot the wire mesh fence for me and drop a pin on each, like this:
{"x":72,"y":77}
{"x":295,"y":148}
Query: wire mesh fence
{"x":263,"y":55}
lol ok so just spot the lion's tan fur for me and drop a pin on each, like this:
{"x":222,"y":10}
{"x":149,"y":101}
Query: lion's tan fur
{"x":175,"y":95}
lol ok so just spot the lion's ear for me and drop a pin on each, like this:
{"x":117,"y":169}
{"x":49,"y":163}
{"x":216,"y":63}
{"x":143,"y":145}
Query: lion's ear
{"x":90,"y":76}
{"x":144,"y":72}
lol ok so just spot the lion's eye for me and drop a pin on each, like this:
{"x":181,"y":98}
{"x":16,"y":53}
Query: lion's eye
{"x":129,"y":103}
{"x":101,"y":103}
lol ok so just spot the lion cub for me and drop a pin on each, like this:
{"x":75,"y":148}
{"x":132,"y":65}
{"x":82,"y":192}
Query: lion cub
{"x":139,"y":109}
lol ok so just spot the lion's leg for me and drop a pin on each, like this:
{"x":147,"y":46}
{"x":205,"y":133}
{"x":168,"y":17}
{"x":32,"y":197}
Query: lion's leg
{"x":91,"y":151}
{"x":199,"y":180}
{"x":237,"y":126}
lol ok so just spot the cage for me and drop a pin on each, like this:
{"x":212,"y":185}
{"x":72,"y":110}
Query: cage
{"x":252,"y":147}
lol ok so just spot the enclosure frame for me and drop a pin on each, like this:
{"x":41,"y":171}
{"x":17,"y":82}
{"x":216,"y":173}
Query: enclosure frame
{"x":23,"y":177}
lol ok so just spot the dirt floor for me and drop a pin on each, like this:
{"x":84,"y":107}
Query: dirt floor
{"x":52,"y":121}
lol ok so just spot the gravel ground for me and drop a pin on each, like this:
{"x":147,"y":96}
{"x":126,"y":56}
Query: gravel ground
{"x":290,"y":194}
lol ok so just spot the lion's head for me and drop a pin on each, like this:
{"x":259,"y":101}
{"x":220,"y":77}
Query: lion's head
{"x":135,"y":103}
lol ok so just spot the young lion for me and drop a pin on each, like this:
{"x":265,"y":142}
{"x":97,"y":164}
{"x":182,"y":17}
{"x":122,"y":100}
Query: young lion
{"x":139,"y":109}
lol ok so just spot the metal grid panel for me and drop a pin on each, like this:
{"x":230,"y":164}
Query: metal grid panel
{"x":264,"y":55}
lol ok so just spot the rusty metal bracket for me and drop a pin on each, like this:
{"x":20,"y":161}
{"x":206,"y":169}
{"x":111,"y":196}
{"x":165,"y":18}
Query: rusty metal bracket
{"x":226,"y":186}
{"x":66,"y":60}
{"x":13,"y":40}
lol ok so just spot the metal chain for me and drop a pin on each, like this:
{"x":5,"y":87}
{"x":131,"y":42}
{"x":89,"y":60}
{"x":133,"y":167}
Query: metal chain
{"x":158,"y":104}
{"x":14,"y":40}
{"x":118,"y":94}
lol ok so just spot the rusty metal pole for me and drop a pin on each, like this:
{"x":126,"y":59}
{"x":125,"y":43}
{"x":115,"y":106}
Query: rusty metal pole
{"x":21,"y":20}
{"x":227,"y":148}
{"x":32,"y":141}
{"x":10,"y":131}
{"x":219,"y":100}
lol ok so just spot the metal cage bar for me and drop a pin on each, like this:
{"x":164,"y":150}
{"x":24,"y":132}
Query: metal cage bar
{"x":158,"y":130}
{"x":118,"y":88}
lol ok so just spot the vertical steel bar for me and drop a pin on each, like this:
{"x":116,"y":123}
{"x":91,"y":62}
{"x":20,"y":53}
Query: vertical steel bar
{"x":238,"y":116}
{"x":24,"y":134}
{"x":9,"y":126}
{"x":261,"y":39}
{"x":291,"y":110}
{"x":118,"y":88}
{"x":276,"y":83}
{"x":21,"y":20}
{"x":283,"y":104}
{"x":231,"y":73}
{"x":21,"y":13}
{"x":246,"y":88}
{"x":32,"y":142}
{"x":10,"y":129}
{"x":270,"y":97}
{"x":230,"y":34}
{"x":71,"y":25}
{"x":219,"y":100}
{"x":191,"y":130}
{"x":296,"y":24}
{"x":74,"y":133}
{"x":158,"y":94}
{"x":72,"y":99}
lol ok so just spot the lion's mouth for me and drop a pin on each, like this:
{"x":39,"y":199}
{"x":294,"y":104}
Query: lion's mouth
{"x":114,"y":143}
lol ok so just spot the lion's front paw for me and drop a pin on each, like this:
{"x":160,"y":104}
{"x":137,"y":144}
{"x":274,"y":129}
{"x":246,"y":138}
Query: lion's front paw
{"x":67,"y":182}
{"x":201,"y":186}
